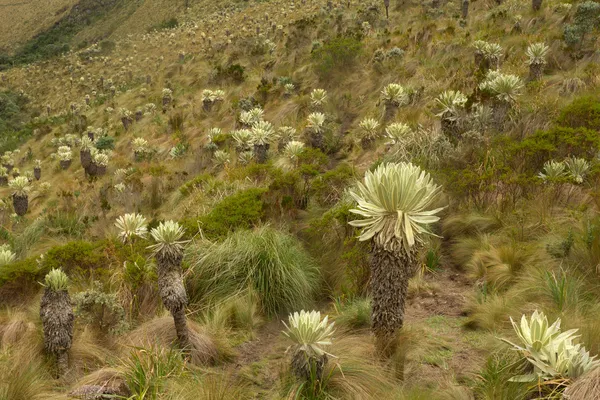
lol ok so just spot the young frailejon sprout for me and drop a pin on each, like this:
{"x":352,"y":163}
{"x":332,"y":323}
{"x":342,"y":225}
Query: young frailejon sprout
{"x":395,"y":95}
{"x":397,"y":133}
{"x":449,"y":103}
{"x":310,"y":335}
{"x":262,"y":134}
{"x":318,"y":97}
{"x":554,"y":171}
{"x":291,"y":153}
{"x":577,"y":168}
{"x":130,"y":226}
{"x":369,"y":131}
{"x":395,"y":203}
{"x":504,"y":87}
{"x":57,"y":318}
{"x":285,"y":134}
{"x":536,"y":54}
{"x":552,"y":353}
{"x":221,"y":158}
{"x":316,"y":122}
{"x":6,"y":256}
{"x":242,"y":138}
{"x":245,"y":157}
{"x":251,"y":117}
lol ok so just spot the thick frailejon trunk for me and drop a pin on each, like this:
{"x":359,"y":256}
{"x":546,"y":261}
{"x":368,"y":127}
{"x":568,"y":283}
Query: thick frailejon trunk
{"x":85,"y":156}
{"x":536,"y":5}
{"x":390,"y":273}
{"x":56,"y":313}
{"x":501,"y":109}
{"x":20,"y":204}
{"x":316,"y":140}
{"x":37,"y":173}
{"x":62,"y":362}
{"x":65,"y":164}
{"x":450,"y":129}
{"x":536,"y":71}
{"x":3,"y":180}
{"x":183,"y":335}
{"x":260,"y":153}
{"x":173,"y":294}
{"x":306,"y":367}
{"x":465,"y":9}
{"x":390,"y":111}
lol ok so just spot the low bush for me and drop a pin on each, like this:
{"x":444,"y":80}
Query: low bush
{"x":336,"y":55}
{"x":242,"y":210}
{"x":583,"y":112}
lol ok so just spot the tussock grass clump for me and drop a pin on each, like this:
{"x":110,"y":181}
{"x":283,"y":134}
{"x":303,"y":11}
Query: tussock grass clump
{"x":271,"y":263}
{"x":204,"y":349}
{"x":354,"y":314}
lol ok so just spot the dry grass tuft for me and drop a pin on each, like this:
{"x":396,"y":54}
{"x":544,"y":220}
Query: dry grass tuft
{"x":585,"y":388}
{"x":161,"y":331}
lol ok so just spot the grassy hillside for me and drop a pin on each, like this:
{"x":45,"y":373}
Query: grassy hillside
{"x":250,"y":124}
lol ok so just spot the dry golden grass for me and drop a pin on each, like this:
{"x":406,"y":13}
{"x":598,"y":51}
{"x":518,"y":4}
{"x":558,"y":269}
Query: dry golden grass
{"x":20,"y":20}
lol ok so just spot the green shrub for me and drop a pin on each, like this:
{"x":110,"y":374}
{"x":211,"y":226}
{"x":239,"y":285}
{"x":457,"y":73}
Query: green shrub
{"x":27,"y":269}
{"x":583,"y":112}
{"x":585,"y":20}
{"x":271,"y":263}
{"x":556,"y":144}
{"x":336,"y":55}
{"x":101,"y":309}
{"x":165,"y":24}
{"x":329,"y":187}
{"x":241,"y":210}
{"x":233,"y":72}
{"x":194,"y":183}
{"x":77,"y":258}
{"x":105,"y":143}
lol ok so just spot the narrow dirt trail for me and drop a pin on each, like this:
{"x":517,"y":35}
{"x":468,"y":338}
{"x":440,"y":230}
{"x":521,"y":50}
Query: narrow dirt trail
{"x":444,"y":350}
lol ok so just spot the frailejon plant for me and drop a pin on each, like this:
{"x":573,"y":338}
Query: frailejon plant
{"x":20,"y":187}
{"x":393,"y":96}
{"x":536,"y":54}
{"x":315,"y":125}
{"x":369,"y":131}
{"x":504,"y":90}
{"x":6,"y":255}
{"x":552,"y":353}
{"x":57,"y":317}
{"x":397,"y":133}
{"x":310,"y":335}
{"x":577,"y":169}
{"x":451,"y":103}
{"x":65,"y":156}
{"x":318,"y":98}
{"x":131,"y":226}
{"x":140,"y":148}
{"x":168,"y":252}
{"x":243,"y":139}
{"x":251,"y":117}
{"x":37,"y":169}
{"x":396,"y":205}
{"x":291,"y":155}
{"x":85,"y":151}
{"x":285,"y":134}
{"x":554,"y":171}
{"x":221,"y":158}
{"x":262,"y":134}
